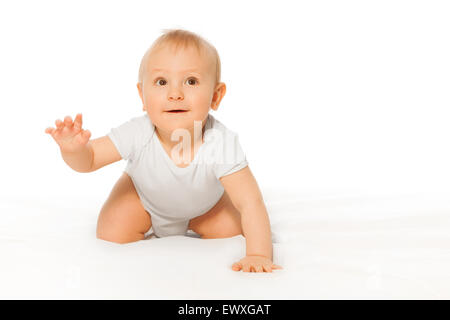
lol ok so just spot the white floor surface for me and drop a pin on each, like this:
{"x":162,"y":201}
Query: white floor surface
{"x":360,"y":247}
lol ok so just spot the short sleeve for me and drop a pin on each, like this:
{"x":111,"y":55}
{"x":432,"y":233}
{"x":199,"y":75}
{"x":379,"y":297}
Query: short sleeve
{"x":231,"y":157}
{"x":130,"y":136}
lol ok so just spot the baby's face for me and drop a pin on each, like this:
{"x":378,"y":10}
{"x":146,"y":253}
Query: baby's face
{"x":182,"y":81}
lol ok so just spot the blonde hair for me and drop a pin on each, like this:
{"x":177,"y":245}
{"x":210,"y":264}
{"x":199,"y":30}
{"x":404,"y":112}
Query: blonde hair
{"x":184,"y":39}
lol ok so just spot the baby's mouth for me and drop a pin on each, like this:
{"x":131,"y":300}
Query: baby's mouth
{"x":177,"y":111}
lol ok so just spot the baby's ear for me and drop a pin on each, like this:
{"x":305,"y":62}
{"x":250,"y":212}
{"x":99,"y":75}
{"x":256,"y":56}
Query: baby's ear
{"x":219,"y":93}
{"x":139,"y":87}
{"x":214,"y":106}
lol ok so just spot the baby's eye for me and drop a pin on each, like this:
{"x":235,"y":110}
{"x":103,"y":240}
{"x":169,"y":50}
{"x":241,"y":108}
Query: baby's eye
{"x":157,"y":81}
{"x":192,"y":82}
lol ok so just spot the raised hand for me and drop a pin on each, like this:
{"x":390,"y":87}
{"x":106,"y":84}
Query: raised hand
{"x":69,"y":135}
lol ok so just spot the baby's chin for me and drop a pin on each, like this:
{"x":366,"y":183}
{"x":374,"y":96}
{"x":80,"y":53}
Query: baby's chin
{"x":178,"y":124}
{"x":170,"y":121}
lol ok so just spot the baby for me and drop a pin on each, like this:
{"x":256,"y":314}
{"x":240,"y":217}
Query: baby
{"x":209,"y":189}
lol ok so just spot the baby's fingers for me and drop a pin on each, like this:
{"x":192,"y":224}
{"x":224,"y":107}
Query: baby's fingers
{"x":78,"y":122}
{"x":84,"y":136}
{"x":258,"y":268}
{"x":59,"y":124}
{"x":275,"y":266}
{"x":236,"y":266}
{"x":267,"y":268}
{"x":68,"y":121}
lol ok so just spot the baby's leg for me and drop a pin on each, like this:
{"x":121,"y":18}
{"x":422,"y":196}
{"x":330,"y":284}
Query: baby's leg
{"x":221,"y":221}
{"x":122,"y":218}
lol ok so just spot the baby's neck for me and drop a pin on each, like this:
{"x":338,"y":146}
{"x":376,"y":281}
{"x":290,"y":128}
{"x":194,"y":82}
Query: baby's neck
{"x":165,"y":138}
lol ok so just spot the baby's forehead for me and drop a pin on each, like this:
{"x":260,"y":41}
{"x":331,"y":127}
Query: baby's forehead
{"x":199,"y":61}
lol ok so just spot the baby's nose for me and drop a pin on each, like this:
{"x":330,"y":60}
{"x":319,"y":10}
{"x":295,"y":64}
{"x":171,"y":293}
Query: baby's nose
{"x":175,"y":94}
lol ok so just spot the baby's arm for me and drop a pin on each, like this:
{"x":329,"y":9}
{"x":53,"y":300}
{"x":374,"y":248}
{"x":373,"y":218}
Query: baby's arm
{"x":245,"y":195}
{"x":77,"y":151}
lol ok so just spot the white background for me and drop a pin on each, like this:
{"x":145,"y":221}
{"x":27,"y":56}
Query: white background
{"x":327,"y":96}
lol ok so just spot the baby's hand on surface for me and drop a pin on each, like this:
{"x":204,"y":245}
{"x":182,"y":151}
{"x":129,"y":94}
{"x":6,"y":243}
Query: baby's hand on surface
{"x":255,"y":264}
{"x":69,"y":135}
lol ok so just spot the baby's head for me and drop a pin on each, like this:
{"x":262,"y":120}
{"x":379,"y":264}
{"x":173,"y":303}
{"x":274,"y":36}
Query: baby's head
{"x":180,"y":71}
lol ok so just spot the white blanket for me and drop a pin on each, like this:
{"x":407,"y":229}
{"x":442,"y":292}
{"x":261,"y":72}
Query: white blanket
{"x":337,"y":247}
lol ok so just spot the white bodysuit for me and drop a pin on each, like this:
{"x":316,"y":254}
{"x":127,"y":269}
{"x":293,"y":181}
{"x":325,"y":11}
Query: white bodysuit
{"x":170,"y":194}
